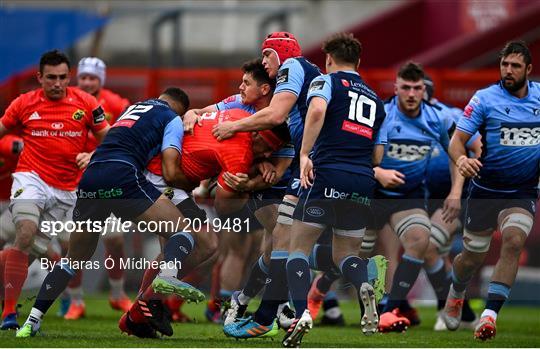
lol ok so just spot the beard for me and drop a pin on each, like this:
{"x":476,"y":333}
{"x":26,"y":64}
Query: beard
{"x":515,"y":86}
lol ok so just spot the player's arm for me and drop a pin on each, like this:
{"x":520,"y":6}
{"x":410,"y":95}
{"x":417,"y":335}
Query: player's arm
{"x":261,"y":181}
{"x":312,"y":128}
{"x":273,"y":115}
{"x":101,"y":133}
{"x":457,"y":151}
{"x":171,"y":168}
{"x":378,"y":153}
{"x":192,"y":117}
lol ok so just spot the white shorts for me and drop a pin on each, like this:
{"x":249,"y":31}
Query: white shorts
{"x":54,"y":204}
{"x":174,"y":194}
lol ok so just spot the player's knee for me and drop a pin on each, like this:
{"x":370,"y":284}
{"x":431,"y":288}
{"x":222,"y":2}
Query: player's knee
{"x":476,"y":243}
{"x":513,"y":243}
{"x":26,"y":231}
{"x":440,"y":238}
{"x":286,"y":211}
{"x":417,"y":223}
{"x":416,"y":240}
{"x":517,"y":221}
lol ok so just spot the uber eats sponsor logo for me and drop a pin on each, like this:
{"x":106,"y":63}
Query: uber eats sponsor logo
{"x":520,"y":134}
{"x":406,"y":150}
{"x":100,"y":194}
{"x":332,"y":193}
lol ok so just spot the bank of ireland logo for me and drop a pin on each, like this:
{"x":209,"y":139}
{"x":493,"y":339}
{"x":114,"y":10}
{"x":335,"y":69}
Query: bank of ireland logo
{"x":315,"y":211}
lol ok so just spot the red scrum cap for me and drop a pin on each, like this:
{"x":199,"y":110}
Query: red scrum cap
{"x":283,"y":44}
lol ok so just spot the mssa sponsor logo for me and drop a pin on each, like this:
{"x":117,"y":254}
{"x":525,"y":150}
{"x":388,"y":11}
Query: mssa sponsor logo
{"x":407,"y":150}
{"x":519,"y":134}
{"x":332,"y":193}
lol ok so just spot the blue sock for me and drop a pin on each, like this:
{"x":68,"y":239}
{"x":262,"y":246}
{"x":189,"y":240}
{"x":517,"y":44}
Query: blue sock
{"x":354,"y":270}
{"x":276,"y":291}
{"x":497,"y":294}
{"x":54,"y":284}
{"x":404,"y":278}
{"x":257,"y":278}
{"x":298,"y":279}
{"x":438,"y":277}
{"x":321,"y":258}
{"x":178,"y":247}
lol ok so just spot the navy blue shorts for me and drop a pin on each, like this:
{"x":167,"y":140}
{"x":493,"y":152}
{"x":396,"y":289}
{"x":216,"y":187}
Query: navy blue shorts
{"x":294,"y":183}
{"x":262,"y":198}
{"x":484,"y":205}
{"x":386,"y":205}
{"x":338,"y":199}
{"x":113,"y":187}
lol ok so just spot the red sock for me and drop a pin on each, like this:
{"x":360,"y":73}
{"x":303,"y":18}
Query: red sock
{"x":136,"y":314}
{"x":115,"y":272}
{"x":15,"y":273}
{"x":174,"y":302}
{"x":76,"y":281}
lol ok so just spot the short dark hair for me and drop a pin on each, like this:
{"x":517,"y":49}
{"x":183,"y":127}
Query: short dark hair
{"x":178,"y":95}
{"x":518,"y":47}
{"x":53,"y":57}
{"x":256,"y":69}
{"x":411,"y":71}
{"x":343,"y":47}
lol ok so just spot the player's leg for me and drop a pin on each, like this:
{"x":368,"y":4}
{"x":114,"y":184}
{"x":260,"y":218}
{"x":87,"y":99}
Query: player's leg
{"x":113,"y":242}
{"x":28,"y":199}
{"x":267,"y":216}
{"x":515,"y":225}
{"x":413,"y":229}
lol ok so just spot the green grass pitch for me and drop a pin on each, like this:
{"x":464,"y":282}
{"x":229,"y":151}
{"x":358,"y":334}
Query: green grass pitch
{"x":517,"y":327}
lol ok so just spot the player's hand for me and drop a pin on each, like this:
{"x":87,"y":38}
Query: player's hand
{"x":468,"y":167}
{"x":190,"y":119}
{"x":83,"y":159}
{"x":389,"y":178}
{"x":268,"y":172}
{"x":223,"y":130}
{"x":451,"y":208}
{"x":306,"y":171}
{"x":238,"y":182}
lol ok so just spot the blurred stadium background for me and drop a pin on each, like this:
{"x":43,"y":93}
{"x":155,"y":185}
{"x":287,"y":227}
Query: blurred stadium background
{"x":199,"y":46}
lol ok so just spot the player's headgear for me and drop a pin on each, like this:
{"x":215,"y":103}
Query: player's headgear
{"x":276,"y":137}
{"x":93,"y":66}
{"x":283,"y":44}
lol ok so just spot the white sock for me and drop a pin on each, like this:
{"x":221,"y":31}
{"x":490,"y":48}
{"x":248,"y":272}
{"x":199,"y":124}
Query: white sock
{"x":243,"y":299}
{"x":35,"y":317}
{"x":489,"y":312}
{"x":76,"y":294}
{"x":333,"y":313}
{"x":117,"y":288}
{"x":168,"y":269}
